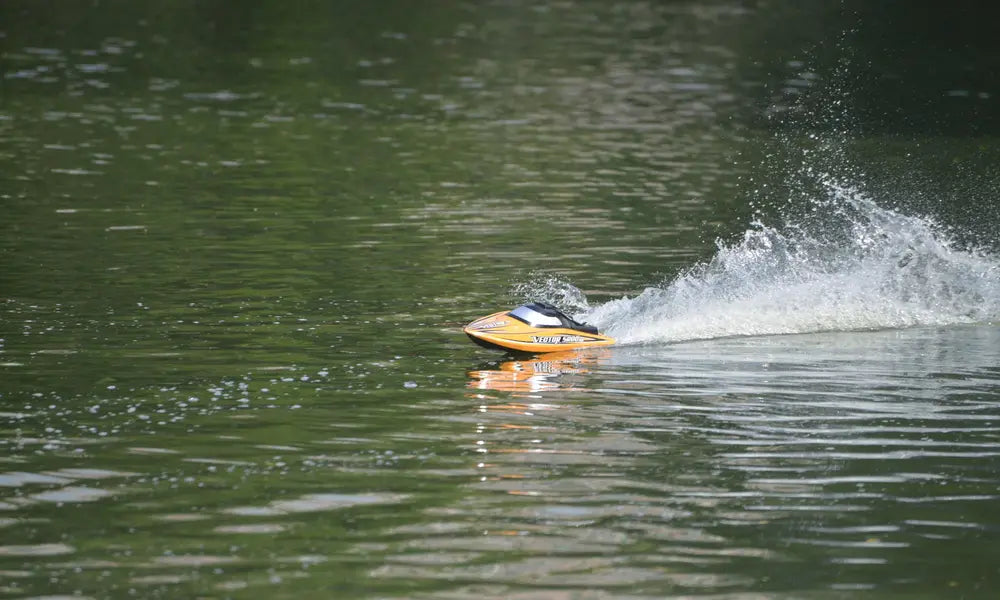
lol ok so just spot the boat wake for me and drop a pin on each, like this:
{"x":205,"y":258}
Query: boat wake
{"x":847,"y":264}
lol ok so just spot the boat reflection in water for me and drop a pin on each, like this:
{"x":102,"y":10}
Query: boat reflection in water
{"x":518,"y":426}
{"x":545,"y":372}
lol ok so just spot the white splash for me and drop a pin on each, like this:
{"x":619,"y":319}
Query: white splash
{"x":848,"y":265}
{"x":553,"y":290}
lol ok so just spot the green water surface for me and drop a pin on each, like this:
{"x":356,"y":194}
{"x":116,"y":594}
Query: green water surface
{"x":238,"y":242}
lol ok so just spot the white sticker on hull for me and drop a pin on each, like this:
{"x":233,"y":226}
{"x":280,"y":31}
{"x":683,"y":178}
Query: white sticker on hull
{"x":559,"y":339}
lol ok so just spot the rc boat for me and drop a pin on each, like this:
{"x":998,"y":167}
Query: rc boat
{"x":534,"y":327}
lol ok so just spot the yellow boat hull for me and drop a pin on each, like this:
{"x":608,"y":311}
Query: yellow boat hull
{"x":502,"y":331}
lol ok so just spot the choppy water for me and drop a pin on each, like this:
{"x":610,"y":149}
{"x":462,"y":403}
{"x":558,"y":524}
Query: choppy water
{"x":237,"y":247}
{"x":848,"y":458}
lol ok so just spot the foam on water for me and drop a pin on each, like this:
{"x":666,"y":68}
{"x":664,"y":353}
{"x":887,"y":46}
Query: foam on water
{"x":846,"y":264}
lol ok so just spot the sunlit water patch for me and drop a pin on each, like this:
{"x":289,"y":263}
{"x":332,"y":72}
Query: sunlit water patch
{"x":848,"y":454}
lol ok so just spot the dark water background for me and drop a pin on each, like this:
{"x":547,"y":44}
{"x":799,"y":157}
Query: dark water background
{"x":238,"y":240}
